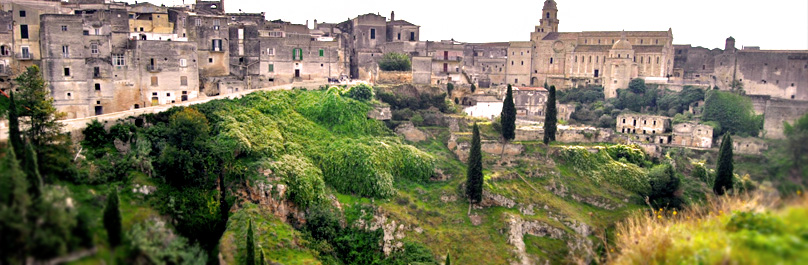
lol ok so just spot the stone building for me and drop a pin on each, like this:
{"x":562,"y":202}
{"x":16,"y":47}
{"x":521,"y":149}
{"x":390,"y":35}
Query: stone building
{"x":531,"y":103}
{"x":643,"y":124}
{"x":692,"y":135}
{"x":572,"y":59}
{"x":777,"y":73}
{"x":6,"y":49}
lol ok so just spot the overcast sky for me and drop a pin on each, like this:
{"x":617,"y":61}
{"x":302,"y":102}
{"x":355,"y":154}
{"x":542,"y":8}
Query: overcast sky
{"x":772,"y":24}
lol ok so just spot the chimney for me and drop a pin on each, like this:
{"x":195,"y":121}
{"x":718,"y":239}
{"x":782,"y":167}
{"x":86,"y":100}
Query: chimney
{"x":315,"y":23}
{"x":307,"y":23}
{"x":392,"y":15}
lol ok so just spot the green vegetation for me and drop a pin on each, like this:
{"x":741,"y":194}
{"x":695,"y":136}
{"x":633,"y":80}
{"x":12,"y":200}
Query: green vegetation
{"x":395,"y":62}
{"x":550,"y":116}
{"x":249,"y":258}
{"x":745,"y":229}
{"x":112,"y":219}
{"x":733,"y":113}
{"x":474,"y":175}
{"x":508,"y":116}
{"x":724,"y":168}
{"x":797,"y":136}
{"x":602,"y":166}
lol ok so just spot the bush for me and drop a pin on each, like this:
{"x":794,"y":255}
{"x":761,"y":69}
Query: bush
{"x":323,"y":222}
{"x":733,"y":112}
{"x":664,"y":184}
{"x":395,"y":62}
{"x":361,"y":92}
{"x":305,"y":181}
{"x":601,"y":166}
{"x":154,"y":242}
{"x":412,"y":253}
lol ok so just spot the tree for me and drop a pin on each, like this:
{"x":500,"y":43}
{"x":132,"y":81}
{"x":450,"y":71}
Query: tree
{"x":550,"y":117}
{"x":14,"y":134}
{"x":733,"y":112}
{"x":43,"y":130}
{"x":38,"y":106}
{"x":724,"y":169}
{"x":797,"y":136}
{"x":448,"y":259}
{"x":31,"y":168}
{"x":449,"y":89}
{"x":664,"y":184}
{"x":395,"y":62}
{"x":14,"y":206}
{"x":250,"y":256}
{"x":112,"y":218}
{"x":474,"y":173}
{"x":508,"y":118}
{"x":473,"y":88}
{"x":637,"y":85}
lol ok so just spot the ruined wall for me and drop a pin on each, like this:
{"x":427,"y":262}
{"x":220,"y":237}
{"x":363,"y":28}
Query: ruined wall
{"x":780,"y":74}
{"x":394,"y":77}
{"x":779,"y":111}
{"x":421,"y":70}
{"x":642,"y":124}
{"x":692,"y":135}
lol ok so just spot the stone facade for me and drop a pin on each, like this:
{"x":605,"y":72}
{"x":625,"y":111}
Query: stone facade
{"x":777,"y":73}
{"x":643,"y":124}
{"x":692,"y":135}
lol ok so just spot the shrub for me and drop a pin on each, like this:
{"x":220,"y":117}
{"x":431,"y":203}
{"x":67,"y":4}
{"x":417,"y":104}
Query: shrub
{"x":154,"y":242}
{"x":323,"y":222}
{"x":112,"y":218}
{"x":603,"y":167}
{"x":664,"y":184}
{"x":361,"y":92}
{"x":305,"y":181}
{"x":734,"y":113}
{"x":395,"y":62}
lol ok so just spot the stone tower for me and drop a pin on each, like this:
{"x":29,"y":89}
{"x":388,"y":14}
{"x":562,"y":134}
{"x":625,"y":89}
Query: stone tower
{"x":549,"y":18}
{"x":729,"y":46}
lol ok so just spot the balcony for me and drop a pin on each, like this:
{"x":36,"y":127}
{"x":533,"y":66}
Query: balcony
{"x":24,"y":56}
{"x":448,"y":58}
{"x":153,"y":68}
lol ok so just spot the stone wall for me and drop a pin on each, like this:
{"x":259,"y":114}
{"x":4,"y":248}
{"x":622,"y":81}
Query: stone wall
{"x":394,"y":77}
{"x":779,"y":111}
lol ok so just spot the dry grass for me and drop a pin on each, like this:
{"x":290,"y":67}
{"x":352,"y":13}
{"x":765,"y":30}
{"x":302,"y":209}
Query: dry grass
{"x":694,"y":235}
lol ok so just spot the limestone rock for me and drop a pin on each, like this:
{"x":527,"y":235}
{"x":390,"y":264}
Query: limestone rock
{"x":411,"y":133}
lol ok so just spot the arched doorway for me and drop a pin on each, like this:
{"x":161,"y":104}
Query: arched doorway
{"x":534,"y":81}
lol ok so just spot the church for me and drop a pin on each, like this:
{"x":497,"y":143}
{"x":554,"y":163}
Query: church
{"x":572,"y":59}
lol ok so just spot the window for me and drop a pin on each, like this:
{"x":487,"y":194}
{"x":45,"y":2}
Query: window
{"x":64,"y":28}
{"x":94,"y":48}
{"x":183,"y":63}
{"x":183,"y":80}
{"x":210,"y":60}
{"x":26,"y":54}
{"x":65,"y":51}
{"x":97,"y":87}
{"x":399,"y":36}
{"x":96,"y":72}
{"x":97,"y":31}
{"x":216,"y":45}
{"x":372,"y":34}
{"x":85,"y":32}
{"x":412,"y":36}
{"x":322,"y":53}
{"x":23,"y":31}
{"x":67,"y":71}
{"x":548,"y":14}
{"x":271,"y":51}
{"x":22,"y":13}
{"x":154,"y":81}
{"x":297,"y":54}
{"x":276,"y":34}
{"x":271,"y":68}
{"x":198,"y":22}
{"x":118,"y":60}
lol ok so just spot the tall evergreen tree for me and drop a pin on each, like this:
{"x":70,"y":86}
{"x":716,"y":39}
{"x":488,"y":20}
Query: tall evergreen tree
{"x":474,"y":173}
{"x":31,"y":168}
{"x":508,"y":116}
{"x":448,"y":259}
{"x":261,"y":259}
{"x":473,"y":88}
{"x":724,"y":169}
{"x":250,"y":257}
{"x":550,"y":116}
{"x":112,"y":218}
{"x":14,"y":206}
{"x":14,"y":134}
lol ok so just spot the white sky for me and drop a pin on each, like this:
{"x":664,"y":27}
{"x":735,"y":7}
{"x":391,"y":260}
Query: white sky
{"x":772,"y":24}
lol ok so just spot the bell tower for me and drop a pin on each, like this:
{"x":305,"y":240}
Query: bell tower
{"x":549,"y":17}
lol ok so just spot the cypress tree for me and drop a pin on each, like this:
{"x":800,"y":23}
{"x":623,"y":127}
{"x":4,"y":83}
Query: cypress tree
{"x":550,"y":116}
{"x":14,"y":134}
{"x":508,"y":116}
{"x":474,"y":173}
{"x":250,"y":257}
{"x":31,"y":168}
{"x":261,"y":259}
{"x":448,"y":259}
{"x":112,"y":219}
{"x":724,"y":169}
{"x":15,"y":205}
{"x":473,"y":88}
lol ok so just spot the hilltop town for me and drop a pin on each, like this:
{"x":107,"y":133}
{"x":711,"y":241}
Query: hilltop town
{"x":210,"y":134}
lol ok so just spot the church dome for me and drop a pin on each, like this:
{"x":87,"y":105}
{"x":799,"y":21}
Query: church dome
{"x":622,"y":44}
{"x":550,"y":4}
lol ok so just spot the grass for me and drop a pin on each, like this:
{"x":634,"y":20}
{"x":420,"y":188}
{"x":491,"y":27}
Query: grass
{"x":744,"y":229}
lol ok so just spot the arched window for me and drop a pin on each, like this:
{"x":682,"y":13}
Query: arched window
{"x":551,"y":60}
{"x":548,"y":15}
{"x":618,"y":56}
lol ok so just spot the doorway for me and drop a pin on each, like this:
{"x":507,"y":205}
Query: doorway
{"x":99,"y":110}
{"x":597,"y":72}
{"x":297,"y":73}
